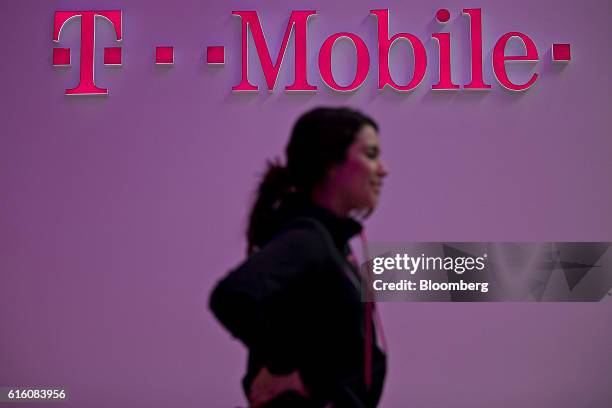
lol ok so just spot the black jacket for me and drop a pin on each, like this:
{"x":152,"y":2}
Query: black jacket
{"x":296,"y":305}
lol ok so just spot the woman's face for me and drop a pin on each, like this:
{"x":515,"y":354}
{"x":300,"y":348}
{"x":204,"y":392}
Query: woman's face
{"x":357,"y":181}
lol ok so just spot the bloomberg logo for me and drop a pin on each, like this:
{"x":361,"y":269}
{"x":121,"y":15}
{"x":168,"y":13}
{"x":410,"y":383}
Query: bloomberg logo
{"x":297,"y":24}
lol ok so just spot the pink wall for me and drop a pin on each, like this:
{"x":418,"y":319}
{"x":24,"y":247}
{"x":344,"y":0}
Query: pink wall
{"x":118,"y":213}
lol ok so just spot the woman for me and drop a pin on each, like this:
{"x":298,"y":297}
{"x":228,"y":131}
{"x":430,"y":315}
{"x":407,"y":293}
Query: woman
{"x":296,"y":302}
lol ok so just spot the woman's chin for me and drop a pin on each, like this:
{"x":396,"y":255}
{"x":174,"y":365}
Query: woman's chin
{"x":373,"y":201}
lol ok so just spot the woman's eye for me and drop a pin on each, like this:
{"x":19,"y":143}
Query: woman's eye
{"x":372,"y":154}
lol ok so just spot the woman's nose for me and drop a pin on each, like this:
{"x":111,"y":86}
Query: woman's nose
{"x":383,"y":170}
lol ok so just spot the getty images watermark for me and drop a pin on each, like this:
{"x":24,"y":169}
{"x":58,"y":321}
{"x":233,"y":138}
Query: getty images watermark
{"x":413,"y":264}
{"x":551,"y":271}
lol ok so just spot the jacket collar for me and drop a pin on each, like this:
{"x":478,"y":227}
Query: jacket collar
{"x":342,"y":229}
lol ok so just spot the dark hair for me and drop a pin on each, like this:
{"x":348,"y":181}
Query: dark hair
{"x":320,"y":139}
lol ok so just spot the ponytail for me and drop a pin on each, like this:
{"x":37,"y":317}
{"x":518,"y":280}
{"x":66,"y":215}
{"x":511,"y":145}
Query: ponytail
{"x":275,"y":184}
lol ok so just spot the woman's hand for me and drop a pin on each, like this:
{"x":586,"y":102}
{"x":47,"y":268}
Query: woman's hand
{"x":267,"y":386}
